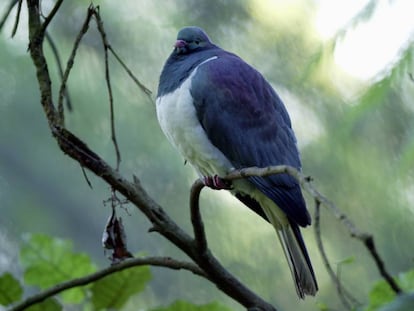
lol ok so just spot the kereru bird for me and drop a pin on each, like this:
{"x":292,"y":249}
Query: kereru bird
{"x":221,"y":115}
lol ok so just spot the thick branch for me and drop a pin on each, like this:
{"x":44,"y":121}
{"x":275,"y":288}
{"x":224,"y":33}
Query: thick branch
{"x":36,"y":38}
{"x":133,"y":191}
{"x":165,"y":262}
{"x":198,"y":226}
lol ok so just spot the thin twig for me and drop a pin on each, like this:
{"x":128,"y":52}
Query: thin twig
{"x":369,"y":244}
{"x":342,"y":292}
{"x":7,"y":12}
{"x":52,"y":14}
{"x":56,"y":54}
{"x":69,"y":65}
{"x":305,"y":182}
{"x":137,"y":82}
{"x":86,"y":177}
{"x":325,"y":259}
{"x":165,"y":262}
{"x":196,"y":219}
{"x":105,"y":43}
{"x":16,"y":21}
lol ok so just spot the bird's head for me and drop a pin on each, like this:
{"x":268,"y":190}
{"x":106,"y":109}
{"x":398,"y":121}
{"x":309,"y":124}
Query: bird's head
{"x":191,"y":39}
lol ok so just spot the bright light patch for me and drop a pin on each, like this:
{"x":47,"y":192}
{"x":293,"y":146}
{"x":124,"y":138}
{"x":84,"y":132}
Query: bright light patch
{"x":368,"y":49}
{"x":333,"y":15}
{"x":276,"y":12}
{"x":371,"y":46}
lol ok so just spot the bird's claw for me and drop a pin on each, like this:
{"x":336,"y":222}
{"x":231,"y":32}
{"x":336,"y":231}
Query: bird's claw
{"x":217,"y":183}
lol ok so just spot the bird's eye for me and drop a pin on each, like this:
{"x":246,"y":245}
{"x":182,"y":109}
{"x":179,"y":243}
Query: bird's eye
{"x":197,"y":42}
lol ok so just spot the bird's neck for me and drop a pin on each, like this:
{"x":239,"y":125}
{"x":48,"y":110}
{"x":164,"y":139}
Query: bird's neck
{"x":180,"y":67}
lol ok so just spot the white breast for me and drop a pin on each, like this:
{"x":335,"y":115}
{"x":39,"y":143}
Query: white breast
{"x":178,"y":120}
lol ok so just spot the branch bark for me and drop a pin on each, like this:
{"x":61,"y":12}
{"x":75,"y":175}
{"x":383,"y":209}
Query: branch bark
{"x":196,"y":248}
{"x":133,"y":191}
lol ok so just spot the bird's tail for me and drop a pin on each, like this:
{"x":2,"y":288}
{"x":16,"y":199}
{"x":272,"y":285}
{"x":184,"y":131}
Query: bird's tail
{"x":298,"y":259}
{"x":295,"y":251}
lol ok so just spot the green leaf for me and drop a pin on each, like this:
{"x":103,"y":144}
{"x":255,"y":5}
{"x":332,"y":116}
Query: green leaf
{"x":322,"y":306}
{"x":181,"y":305}
{"x":49,"y":261}
{"x":114,"y":290}
{"x":347,"y":260}
{"x":48,"y":305}
{"x":407,"y":280}
{"x":380,"y":294}
{"x":10,"y":289}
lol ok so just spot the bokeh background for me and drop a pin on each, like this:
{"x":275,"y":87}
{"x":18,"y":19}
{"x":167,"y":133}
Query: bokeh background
{"x":343,"y":69}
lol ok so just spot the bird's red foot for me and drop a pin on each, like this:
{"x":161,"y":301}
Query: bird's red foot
{"x":217,"y":183}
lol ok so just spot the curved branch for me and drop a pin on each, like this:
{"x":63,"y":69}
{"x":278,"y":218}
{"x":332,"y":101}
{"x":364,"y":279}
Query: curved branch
{"x":7,"y":13}
{"x":346,"y":298}
{"x":16,"y":22}
{"x":165,"y":262}
{"x":196,"y":220}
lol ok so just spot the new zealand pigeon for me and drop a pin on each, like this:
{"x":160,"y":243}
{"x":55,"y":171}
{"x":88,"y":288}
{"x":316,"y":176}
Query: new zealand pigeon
{"x":221,"y":114}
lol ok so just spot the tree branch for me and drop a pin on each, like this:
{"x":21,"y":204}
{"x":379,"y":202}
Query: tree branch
{"x":132,"y":76}
{"x":71,"y":61}
{"x":52,"y":14}
{"x":348,"y":301}
{"x":196,"y":219}
{"x":195,"y":248}
{"x":56,"y":54}
{"x":165,"y":262}
{"x":133,"y":191}
{"x":7,"y":13}
{"x":16,"y":22}
{"x":105,"y":43}
{"x":305,"y":182}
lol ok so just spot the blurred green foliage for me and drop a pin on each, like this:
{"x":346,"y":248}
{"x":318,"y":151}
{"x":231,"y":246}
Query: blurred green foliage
{"x":356,"y":139}
{"x":114,"y":291}
{"x":45,"y":264}
{"x":381,"y":294}
{"x":50,"y":304}
{"x":47,"y":261}
{"x":10,"y":289}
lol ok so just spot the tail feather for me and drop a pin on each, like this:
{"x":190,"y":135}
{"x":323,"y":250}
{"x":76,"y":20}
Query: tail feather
{"x":294,"y":249}
{"x":298,"y":260}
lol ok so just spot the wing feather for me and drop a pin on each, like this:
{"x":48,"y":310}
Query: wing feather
{"x":246,"y":120}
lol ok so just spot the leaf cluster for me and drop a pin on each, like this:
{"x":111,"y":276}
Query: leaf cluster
{"x":47,"y":262}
